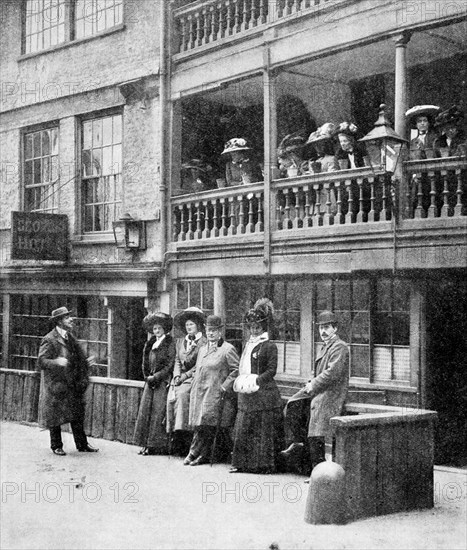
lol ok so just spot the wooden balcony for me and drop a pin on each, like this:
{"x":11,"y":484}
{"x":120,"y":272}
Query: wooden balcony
{"x":213,"y":21}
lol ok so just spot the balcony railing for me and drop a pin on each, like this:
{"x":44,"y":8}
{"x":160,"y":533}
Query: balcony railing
{"x":204,"y":22}
{"x":436,"y":188}
{"x":220,"y":213}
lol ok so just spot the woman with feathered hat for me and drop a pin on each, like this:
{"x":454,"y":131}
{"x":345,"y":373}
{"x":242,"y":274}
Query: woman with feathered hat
{"x":289,"y":155}
{"x":190,"y":321}
{"x":350,"y":153}
{"x":158,"y":365}
{"x":452,"y":141}
{"x":258,"y":431}
{"x":241,"y":167}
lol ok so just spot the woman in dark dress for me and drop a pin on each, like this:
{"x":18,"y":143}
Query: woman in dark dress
{"x":158,"y":364}
{"x":258,"y":431}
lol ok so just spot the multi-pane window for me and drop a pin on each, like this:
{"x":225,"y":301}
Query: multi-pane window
{"x":101,"y":158}
{"x":31,"y":322}
{"x":48,"y":23}
{"x":93,"y":16}
{"x":374,"y":319}
{"x":40,"y":170}
{"x":44,"y":24}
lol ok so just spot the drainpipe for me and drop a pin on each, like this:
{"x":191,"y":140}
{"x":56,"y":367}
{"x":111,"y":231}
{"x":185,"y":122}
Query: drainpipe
{"x":163,"y":105}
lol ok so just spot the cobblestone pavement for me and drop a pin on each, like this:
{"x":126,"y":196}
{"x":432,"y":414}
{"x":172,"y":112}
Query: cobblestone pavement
{"x":116,"y":499}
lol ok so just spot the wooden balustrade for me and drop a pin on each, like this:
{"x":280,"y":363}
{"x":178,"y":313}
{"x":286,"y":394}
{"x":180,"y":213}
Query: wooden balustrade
{"x":436,"y":188}
{"x":336,"y":198}
{"x":200,"y":23}
{"x":219,"y":213}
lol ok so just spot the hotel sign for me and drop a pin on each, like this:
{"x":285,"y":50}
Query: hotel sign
{"x":37,"y":236}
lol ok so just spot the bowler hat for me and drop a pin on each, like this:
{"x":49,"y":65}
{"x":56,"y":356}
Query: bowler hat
{"x":214,"y":321}
{"x":59,"y":313}
{"x":235,"y":144}
{"x":158,"y":318}
{"x":325,"y":318}
{"x":190,"y":314}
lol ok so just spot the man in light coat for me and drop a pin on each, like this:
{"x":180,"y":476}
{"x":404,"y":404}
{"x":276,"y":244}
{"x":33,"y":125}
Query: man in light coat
{"x":323,"y":396}
{"x":64,"y":379}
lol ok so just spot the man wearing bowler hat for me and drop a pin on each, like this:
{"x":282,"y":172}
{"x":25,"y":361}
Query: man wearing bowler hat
{"x":322,"y":397}
{"x":64,"y":379}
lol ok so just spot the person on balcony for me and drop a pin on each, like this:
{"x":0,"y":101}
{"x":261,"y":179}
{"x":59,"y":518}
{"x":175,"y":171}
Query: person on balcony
{"x":258,"y":431}
{"x":322,"y":143}
{"x":421,"y":118}
{"x":64,"y":379}
{"x":452,"y":141}
{"x":196,"y":176}
{"x":350,"y":153}
{"x":308,"y":412}
{"x":191,"y":321}
{"x":211,"y":408}
{"x":290,"y":155}
{"x":241,"y":168}
{"x":158,"y":364}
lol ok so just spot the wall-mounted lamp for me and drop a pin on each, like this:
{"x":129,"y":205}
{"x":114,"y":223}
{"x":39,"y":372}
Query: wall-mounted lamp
{"x":129,"y":233}
{"x":383,"y":144}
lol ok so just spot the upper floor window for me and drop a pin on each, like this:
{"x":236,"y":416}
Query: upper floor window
{"x":101,"y":178}
{"x":40,"y":170}
{"x":44,"y":24}
{"x":51,"y":22}
{"x":93,"y":16}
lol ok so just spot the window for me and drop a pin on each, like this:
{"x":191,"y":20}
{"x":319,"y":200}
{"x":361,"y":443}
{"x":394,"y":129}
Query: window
{"x":1,"y":330}
{"x":44,"y":24}
{"x":374,"y":319}
{"x":101,"y":159}
{"x":31,"y":322}
{"x":48,"y":23}
{"x":93,"y":16}
{"x":40,"y":170}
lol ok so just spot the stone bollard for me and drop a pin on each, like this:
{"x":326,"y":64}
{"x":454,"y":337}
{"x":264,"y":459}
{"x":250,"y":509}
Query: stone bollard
{"x":326,"y":495}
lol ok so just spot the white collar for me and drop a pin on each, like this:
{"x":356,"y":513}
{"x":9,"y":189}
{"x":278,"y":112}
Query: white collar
{"x":158,"y":342}
{"x":198,"y":335}
{"x":257,"y":339}
{"x":63,"y":333}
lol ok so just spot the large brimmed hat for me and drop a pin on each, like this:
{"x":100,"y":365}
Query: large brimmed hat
{"x":196,"y":164}
{"x":453,"y":115}
{"x":59,"y":313}
{"x":158,"y":318}
{"x":235,"y":144}
{"x":421,"y":110}
{"x":347,"y":129}
{"x":214,"y":321}
{"x":263,"y":310}
{"x":326,"y":131}
{"x":326,"y":317}
{"x":291,"y":142}
{"x":190,"y":314}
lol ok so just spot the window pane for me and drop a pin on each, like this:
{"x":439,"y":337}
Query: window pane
{"x":342,"y":295}
{"x":360,"y":361}
{"x":323,"y":295}
{"x":208,"y":295}
{"x":401,"y":329}
{"x":361,"y":328}
{"x":182,"y":295}
{"x":360,"y":295}
{"x":382,"y":328}
{"x":401,"y":295}
{"x":383,"y":292}
{"x":195,"y":294}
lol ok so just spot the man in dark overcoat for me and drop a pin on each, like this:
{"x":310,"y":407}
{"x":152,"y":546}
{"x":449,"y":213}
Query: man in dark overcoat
{"x":322,"y":397}
{"x":64,"y":379}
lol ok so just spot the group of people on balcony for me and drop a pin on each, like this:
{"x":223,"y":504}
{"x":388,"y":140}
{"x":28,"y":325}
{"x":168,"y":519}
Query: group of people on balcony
{"x":438,"y":134}
{"x":328,"y":149}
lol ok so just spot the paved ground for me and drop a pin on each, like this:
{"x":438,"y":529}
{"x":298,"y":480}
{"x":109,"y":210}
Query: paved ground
{"x":118,"y":500}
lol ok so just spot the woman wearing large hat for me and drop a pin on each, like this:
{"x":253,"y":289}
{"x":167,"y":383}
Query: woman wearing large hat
{"x":215,"y":371}
{"x":241,"y":167}
{"x":289,"y":155}
{"x":258,"y":432}
{"x":190,"y":321}
{"x":158,"y":364}
{"x":421,"y":118}
{"x":350,"y":153}
{"x":452,"y":141}
{"x":322,"y":142}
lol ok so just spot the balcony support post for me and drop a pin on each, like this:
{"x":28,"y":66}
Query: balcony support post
{"x":401,"y":82}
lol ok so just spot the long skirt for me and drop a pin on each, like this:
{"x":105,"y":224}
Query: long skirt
{"x":178,"y":410}
{"x":258,"y":440}
{"x":150,"y":425}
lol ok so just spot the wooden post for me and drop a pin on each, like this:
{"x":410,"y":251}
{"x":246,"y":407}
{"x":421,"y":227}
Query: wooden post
{"x":401,"y":82}
{"x":6,"y":331}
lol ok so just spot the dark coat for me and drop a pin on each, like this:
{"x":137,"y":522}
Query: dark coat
{"x":264,"y":364}
{"x":457,"y":148}
{"x":328,"y":387}
{"x":61,"y":397}
{"x":359,"y":155}
{"x":162,"y":361}
{"x":422,"y":149}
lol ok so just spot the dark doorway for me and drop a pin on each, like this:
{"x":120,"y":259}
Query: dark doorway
{"x":136,"y":337}
{"x":446,"y":367}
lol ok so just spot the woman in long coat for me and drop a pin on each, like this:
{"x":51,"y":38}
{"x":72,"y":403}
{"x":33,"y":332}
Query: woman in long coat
{"x":258,"y":432}
{"x":191,"y":321}
{"x":215,"y":371}
{"x":158,"y":364}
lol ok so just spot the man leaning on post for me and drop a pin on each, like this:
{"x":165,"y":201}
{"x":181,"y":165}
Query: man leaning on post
{"x":322,"y":397}
{"x":64,"y":379}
